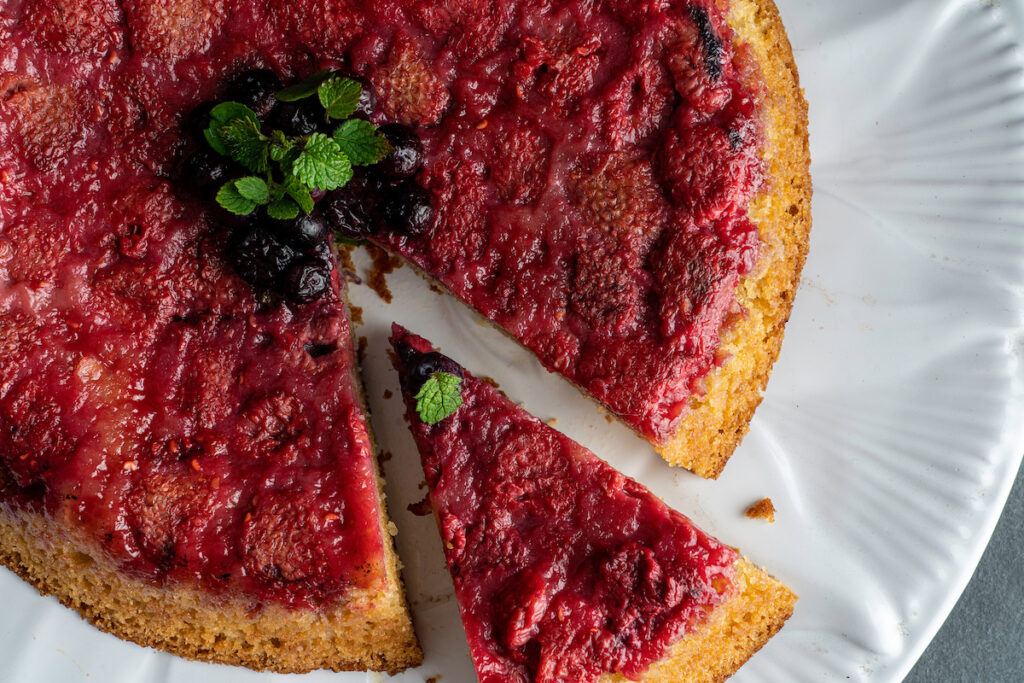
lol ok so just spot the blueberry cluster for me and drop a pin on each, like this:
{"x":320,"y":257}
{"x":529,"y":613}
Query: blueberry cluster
{"x":293,"y":257}
{"x":383,"y":197}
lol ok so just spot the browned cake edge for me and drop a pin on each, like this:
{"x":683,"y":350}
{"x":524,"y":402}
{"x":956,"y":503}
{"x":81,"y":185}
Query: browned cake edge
{"x":717,"y":422}
{"x":733,"y":632}
{"x":368,"y":630}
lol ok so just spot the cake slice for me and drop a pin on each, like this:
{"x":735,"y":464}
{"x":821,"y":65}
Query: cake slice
{"x":564,"y":569}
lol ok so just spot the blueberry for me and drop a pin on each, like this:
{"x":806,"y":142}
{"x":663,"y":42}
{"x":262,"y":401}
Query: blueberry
{"x":408,"y":210}
{"x":307,"y":280}
{"x":307,"y":230}
{"x":353,"y":210}
{"x":260,"y":258}
{"x":420,"y":367}
{"x":205,"y":171}
{"x":304,"y":117}
{"x":407,"y":158}
{"x":367,"y":98}
{"x":255,"y":89}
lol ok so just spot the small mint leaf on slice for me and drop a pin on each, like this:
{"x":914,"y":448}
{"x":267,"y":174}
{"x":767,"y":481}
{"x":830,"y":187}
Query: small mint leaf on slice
{"x":361,"y":142}
{"x":303,"y":89}
{"x":254,"y":189}
{"x":439,"y":397}
{"x":283,"y":209}
{"x":245,"y":143}
{"x":231,"y":199}
{"x":339,"y":96}
{"x":322,"y":164}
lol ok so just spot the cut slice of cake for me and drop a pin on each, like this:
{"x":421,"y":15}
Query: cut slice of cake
{"x":564,"y":569}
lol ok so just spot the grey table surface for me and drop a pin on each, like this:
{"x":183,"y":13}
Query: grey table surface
{"x":983,"y":639}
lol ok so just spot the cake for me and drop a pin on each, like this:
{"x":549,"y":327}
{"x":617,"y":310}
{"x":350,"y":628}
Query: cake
{"x":185,"y":458}
{"x":622,"y":187}
{"x":564,"y":569}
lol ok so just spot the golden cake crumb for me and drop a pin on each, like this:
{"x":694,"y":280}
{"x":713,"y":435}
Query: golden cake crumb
{"x":762,"y":509}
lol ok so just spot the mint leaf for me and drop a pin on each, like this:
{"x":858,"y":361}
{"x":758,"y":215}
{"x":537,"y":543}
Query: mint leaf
{"x":294,"y":188}
{"x":283,"y":209}
{"x":322,"y":164}
{"x":245,"y":143}
{"x":361,"y":142}
{"x":280,"y":146}
{"x":303,"y":89}
{"x":339,"y":96}
{"x":439,"y":397}
{"x":254,"y":189}
{"x":232,"y":200}
{"x":220,"y":115}
{"x":341,"y":239}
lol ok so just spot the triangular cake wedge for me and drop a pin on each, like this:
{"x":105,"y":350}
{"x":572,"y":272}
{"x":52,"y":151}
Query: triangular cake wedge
{"x":564,"y":569}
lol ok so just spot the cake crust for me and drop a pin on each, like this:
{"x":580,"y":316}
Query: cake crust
{"x":370,"y":631}
{"x":717,"y":422}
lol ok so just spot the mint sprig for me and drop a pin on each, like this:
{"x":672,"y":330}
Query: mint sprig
{"x":439,"y":397}
{"x":361,"y":142}
{"x":339,"y":97}
{"x":288,"y":170}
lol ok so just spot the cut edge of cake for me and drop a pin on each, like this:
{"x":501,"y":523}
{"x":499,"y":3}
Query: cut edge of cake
{"x":716,"y":422}
{"x":364,"y":630}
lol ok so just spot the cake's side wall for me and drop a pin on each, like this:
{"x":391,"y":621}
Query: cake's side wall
{"x":371,"y":630}
{"x":717,"y":422}
{"x":734,"y":631}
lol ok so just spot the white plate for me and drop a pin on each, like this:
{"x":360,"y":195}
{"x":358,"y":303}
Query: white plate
{"x":893,"y":424}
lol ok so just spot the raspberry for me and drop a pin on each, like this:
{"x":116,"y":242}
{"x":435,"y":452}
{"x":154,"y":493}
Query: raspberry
{"x":410,"y":90}
{"x":621,"y":195}
{"x":519,"y":161}
{"x":697,"y":71}
{"x":163,"y":507}
{"x":695,"y":279}
{"x":637,"y":104}
{"x":605,"y":290}
{"x":31,"y":440}
{"x":49,"y":120}
{"x":173,"y":28}
{"x":459,"y":233}
{"x":323,"y":24}
{"x":707,"y":171}
{"x":76,"y":26}
{"x":288,"y":537}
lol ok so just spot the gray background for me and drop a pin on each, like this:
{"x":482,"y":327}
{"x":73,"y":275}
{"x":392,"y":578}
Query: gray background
{"x":983,"y":639}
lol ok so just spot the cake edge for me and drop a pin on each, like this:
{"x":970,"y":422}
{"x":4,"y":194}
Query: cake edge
{"x":716,"y":423}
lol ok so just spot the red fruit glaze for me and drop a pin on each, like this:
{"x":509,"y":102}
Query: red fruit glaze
{"x":147,"y":396}
{"x":564,"y":569}
{"x":586,"y":151}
